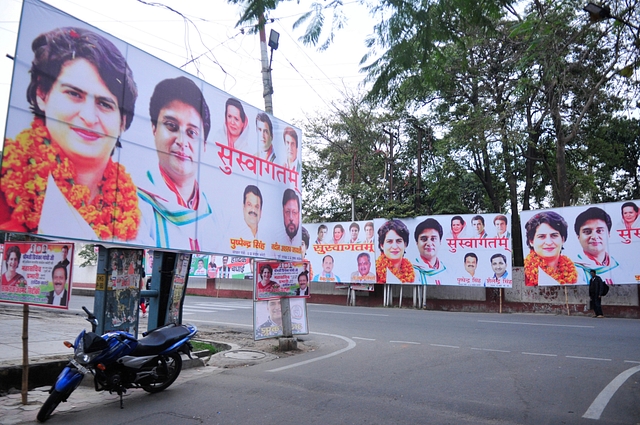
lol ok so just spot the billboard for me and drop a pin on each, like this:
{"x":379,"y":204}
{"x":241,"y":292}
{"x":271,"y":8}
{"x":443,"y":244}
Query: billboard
{"x":342,"y":253}
{"x":37,"y":273}
{"x":105,"y":142}
{"x":460,"y":250}
{"x":562,"y":245}
{"x":282,"y":279}
{"x":267,"y":318}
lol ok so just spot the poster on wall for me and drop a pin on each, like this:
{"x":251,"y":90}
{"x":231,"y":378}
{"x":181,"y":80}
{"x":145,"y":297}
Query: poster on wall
{"x":123,"y":289}
{"x":121,"y":175}
{"x":459,"y":250}
{"x":282,"y":279}
{"x":199,"y":266}
{"x":37,"y":273}
{"x":178,"y":286}
{"x":341,"y":253}
{"x":562,"y":245}
{"x":230,"y":267}
{"x":267,"y":319}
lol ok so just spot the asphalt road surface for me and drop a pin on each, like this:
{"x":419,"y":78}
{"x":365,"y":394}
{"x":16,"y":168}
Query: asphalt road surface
{"x":404,"y":366}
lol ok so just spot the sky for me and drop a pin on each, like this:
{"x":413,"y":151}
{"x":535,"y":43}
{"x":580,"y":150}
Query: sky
{"x":305,"y":81}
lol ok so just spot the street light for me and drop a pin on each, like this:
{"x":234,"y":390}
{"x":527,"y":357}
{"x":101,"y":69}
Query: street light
{"x":597,"y":13}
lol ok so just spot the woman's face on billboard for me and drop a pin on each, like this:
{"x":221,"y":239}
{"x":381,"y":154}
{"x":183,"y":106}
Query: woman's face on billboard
{"x":82,"y":115}
{"x":547,"y":242}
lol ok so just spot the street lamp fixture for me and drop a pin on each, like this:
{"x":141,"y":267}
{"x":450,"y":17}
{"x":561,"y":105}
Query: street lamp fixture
{"x":597,"y":13}
{"x":274,"y":37}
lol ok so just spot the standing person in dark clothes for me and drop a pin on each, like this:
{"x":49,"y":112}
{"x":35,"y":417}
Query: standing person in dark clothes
{"x":596,"y":290}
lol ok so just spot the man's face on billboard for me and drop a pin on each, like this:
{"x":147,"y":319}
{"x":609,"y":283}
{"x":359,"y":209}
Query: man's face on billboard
{"x":291,"y":214}
{"x":364,"y":265}
{"x":177,"y":138}
{"x":327,"y":265}
{"x":252,"y":210}
{"x":501,"y":227}
{"x":428,"y":244}
{"x":58,"y":280}
{"x":478,"y":225}
{"x":292,"y":148}
{"x":470,"y":265}
{"x":594,"y":237}
{"x":264,"y":135}
{"x":499,"y":266}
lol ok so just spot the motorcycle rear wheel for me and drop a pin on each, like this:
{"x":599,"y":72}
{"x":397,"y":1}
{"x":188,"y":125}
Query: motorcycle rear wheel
{"x":50,"y":405}
{"x":168,"y":371}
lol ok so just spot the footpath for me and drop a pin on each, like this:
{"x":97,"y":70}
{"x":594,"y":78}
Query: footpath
{"x":47,"y":330}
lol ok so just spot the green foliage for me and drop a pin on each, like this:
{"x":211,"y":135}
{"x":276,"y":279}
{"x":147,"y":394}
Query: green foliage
{"x":88,"y":256}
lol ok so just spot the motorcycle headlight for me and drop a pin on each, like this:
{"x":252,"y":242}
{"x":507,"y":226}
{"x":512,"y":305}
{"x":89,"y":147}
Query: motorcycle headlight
{"x":82,"y":357}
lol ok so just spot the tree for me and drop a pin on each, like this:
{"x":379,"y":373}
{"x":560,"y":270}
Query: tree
{"x":88,"y":255}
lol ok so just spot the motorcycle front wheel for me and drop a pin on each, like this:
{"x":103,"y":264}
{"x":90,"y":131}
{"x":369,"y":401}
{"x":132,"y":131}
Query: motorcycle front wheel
{"x":168,"y":369}
{"x":50,"y":405}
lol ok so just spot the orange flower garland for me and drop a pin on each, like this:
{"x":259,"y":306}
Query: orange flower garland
{"x":565,"y":273}
{"x":406,"y":273}
{"x":32,"y":157}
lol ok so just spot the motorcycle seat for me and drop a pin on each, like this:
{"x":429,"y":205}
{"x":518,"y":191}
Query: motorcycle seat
{"x":160,"y":340}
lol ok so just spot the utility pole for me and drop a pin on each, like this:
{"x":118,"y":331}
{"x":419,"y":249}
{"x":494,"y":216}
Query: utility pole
{"x":266,"y":68}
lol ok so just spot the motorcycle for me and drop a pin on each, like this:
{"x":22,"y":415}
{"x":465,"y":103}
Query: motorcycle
{"x":118,"y":361}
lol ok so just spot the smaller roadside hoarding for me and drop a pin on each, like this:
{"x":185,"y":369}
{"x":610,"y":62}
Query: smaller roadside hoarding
{"x":37,"y":273}
{"x":282,"y":279}
{"x":267,"y":318}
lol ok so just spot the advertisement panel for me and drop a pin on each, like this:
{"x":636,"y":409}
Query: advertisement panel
{"x":267,"y":318}
{"x":37,"y":273}
{"x":342,"y":253}
{"x":461,"y":250}
{"x":562,"y":245}
{"x":105,"y":142}
{"x":282,"y":279}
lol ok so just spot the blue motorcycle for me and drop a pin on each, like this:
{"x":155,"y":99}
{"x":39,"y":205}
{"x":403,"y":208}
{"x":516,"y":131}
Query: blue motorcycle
{"x":118,"y":361}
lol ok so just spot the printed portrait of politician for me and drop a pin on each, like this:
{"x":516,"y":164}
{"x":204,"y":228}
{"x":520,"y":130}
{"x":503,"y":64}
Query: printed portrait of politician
{"x":500,"y":221}
{"x":368,"y":232}
{"x":251,"y":213}
{"x":59,"y":294}
{"x":477,"y":223}
{"x":457,"y":227}
{"x":630,"y":212}
{"x":305,"y":246}
{"x":291,"y":148}
{"x":338,"y":234}
{"x":593,"y":227}
{"x":291,"y":216}
{"x":470,"y":263}
{"x":322,"y":233}
{"x":172,"y":202}
{"x":58,"y":175}
{"x":391,"y":266}
{"x":363,"y":275}
{"x":11,"y":277}
{"x":303,"y":284}
{"x":273,"y":325}
{"x":327,"y":274}
{"x":499,"y":266}
{"x":354,"y":233}
{"x":546,"y":234}
{"x":429,"y":269}
{"x":201,"y":269}
{"x":264,"y":132}
{"x":265,"y":284}
{"x":234,"y":132}
{"x":65,"y":254}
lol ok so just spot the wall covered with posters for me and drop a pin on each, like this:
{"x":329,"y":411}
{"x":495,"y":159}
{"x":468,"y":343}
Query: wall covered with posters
{"x":106,"y":143}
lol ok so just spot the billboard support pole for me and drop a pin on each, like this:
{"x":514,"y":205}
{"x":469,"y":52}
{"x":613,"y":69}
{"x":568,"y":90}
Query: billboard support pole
{"x":25,"y":353}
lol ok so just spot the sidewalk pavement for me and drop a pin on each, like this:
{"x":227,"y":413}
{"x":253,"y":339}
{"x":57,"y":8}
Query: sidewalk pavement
{"x":47,"y":329}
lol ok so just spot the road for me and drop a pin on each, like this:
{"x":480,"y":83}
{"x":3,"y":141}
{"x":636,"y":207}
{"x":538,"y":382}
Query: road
{"x":404,"y":366}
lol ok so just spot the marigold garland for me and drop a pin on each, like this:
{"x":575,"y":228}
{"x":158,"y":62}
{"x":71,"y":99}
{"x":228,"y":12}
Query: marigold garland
{"x":32,"y":157}
{"x":405,"y":273}
{"x":564,"y":273}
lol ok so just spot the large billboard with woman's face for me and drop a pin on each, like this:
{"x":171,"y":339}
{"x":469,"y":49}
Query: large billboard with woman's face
{"x":105,"y":142}
{"x":563,"y":245}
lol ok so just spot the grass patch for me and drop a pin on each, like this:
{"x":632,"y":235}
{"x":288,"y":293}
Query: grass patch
{"x":201,"y":346}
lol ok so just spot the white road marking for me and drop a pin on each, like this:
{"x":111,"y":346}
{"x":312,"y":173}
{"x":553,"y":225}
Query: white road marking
{"x":588,"y":358}
{"x":404,"y":342}
{"x":489,"y":349}
{"x":364,"y":339}
{"x":353,"y":314}
{"x":350,"y":344}
{"x":540,"y":354}
{"x":631,"y":361}
{"x":597,"y":407}
{"x":445,"y":346}
{"x":536,"y":324}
